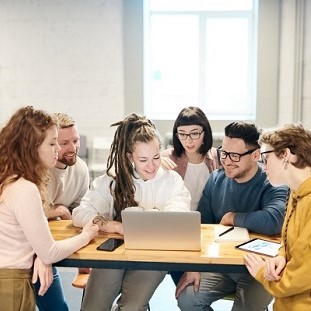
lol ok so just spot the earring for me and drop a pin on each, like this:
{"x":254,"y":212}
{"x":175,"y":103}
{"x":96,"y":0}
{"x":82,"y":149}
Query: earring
{"x":285,"y":162}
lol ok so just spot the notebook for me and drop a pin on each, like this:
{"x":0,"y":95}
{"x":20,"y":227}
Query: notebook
{"x":237,"y":234}
{"x":158,"y":230}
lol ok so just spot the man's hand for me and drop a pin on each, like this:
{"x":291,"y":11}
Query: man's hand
{"x":45,"y":275}
{"x":59,"y":211}
{"x":228,"y":219}
{"x":186,"y":279}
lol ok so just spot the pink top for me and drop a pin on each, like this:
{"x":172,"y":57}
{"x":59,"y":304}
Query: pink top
{"x":24,"y":229}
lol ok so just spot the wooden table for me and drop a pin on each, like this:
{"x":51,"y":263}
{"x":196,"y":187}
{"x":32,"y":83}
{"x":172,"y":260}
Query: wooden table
{"x":214,"y":256}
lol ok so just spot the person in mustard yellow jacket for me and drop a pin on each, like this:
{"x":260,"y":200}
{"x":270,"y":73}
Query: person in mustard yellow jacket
{"x":286,"y":155}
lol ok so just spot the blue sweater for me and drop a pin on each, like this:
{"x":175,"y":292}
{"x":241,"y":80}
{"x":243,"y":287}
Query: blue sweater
{"x":258,"y":205}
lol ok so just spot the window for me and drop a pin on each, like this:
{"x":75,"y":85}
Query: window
{"x":201,"y":53}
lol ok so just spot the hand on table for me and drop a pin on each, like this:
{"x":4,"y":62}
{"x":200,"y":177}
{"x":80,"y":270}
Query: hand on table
{"x":228,"y":219}
{"x":92,"y":229}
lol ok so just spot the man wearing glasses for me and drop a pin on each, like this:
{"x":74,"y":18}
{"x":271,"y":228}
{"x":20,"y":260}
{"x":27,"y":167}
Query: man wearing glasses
{"x":238,"y":194}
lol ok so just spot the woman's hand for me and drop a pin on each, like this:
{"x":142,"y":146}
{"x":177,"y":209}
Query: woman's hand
{"x":274,"y":267}
{"x":112,"y":226}
{"x":254,"y":263}
{"x":44,"y":273}
{"x":109,"y":226}
{"x":91,"y":229}
{"x":167,"y":163}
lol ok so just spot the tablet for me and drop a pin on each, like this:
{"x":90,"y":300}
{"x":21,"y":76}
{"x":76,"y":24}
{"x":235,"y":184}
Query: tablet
{"x":260,"y":246}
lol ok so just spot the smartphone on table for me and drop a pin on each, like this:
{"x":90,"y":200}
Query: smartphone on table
{"x":110,"y":245}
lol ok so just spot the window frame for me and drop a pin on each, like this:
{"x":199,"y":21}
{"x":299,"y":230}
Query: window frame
{"x":268,"y":44}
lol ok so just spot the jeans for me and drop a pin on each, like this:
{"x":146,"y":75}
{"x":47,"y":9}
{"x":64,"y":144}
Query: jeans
{"x":54,"y":299}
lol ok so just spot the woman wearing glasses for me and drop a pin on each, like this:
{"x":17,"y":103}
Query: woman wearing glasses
{"x":192,"y":155}
{"x":286,"y":156}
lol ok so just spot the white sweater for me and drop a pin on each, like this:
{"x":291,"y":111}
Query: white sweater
{"x":166,"y":191}
{"x":68,"y":186}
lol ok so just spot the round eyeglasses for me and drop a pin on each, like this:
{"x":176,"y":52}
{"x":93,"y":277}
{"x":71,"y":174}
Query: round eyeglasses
{"x":264,"y":157}
{"x":193,"y":135}
{"x":233,"y":156}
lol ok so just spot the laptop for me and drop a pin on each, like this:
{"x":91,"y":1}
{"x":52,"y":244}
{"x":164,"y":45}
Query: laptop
{"x":158,"y":230}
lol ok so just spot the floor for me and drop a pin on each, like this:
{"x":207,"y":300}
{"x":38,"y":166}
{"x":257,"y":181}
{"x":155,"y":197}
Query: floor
{"x":162,"y":300}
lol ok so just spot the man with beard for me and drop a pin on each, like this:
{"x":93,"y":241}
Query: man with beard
{"x":238,"y":194}
{"x":69,"y":181}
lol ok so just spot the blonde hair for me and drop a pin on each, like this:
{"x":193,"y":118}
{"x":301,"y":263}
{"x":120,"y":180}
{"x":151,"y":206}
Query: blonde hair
{"x":63,"y":120}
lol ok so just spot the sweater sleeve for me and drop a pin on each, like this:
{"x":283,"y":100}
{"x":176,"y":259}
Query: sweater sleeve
{"x":29,"y":214}
{"x":180,"y":198}
{"x":97,"y":201}
{"x":296,"y":276}
{"x":269,"y":218}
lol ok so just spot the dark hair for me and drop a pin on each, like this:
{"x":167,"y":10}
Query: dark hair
{"x":132,"y":129}
{"x":192,"y":116}
{"x":248,"y":132}
{"x":19,"y":141}
{"x":295,"y":137}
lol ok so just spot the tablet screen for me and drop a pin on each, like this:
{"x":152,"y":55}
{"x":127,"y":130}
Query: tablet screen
{"x":260,"y":246}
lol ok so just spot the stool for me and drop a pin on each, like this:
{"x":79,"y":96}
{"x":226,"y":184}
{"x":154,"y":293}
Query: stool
{"x":80,"y":281}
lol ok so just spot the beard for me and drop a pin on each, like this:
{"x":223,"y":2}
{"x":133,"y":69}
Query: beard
{"x":238,"y":173}
{"x":68,"y":161}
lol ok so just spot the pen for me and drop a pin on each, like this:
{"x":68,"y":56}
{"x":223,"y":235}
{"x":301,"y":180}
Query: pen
{"x":228,"y":230}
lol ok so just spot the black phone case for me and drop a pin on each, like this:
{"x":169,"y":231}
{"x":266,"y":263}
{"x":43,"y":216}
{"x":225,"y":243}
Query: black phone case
{"x":110,"y":245}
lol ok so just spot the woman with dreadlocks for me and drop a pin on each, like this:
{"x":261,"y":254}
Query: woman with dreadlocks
{"x":134,"y":178}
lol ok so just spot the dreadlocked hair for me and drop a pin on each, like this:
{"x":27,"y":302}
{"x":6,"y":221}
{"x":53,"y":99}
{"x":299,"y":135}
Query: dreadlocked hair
{"x":19,"y":141}
{"x":132,"y":129}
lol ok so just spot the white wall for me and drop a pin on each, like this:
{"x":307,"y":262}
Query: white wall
{"x":63,"y":56}
{"x":295,"y":70}
{"x":68,"y":56}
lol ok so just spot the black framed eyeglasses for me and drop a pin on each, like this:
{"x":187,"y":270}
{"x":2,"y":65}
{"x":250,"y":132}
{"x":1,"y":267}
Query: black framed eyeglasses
{"x":233,"y":156}
{"x":193,"y":135}
{"x":263,"y":156}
